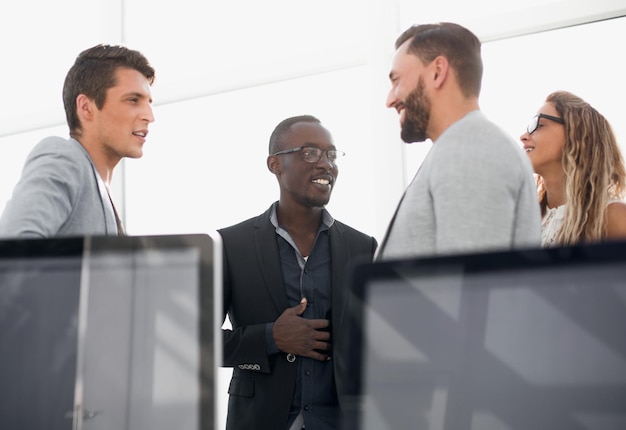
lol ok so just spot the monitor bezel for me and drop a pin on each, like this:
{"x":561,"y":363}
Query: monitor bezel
{"x":364,"y":274}
{"x":209,"y":246}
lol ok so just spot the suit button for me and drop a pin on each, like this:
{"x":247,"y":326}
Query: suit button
{"x":306,"y":408}
{"x":291,"y":358}
{"x":307,"y":373}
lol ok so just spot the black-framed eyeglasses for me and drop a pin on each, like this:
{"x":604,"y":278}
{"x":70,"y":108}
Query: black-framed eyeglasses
{"x":533,"y":125}
{"x":311,"y":154}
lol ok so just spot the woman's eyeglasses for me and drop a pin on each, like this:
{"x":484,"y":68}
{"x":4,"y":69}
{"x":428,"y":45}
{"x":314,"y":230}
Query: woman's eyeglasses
{"x":533,"y":125}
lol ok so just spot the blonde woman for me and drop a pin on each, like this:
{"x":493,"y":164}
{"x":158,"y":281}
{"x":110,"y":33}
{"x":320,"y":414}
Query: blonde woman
{"x":580,"y":172}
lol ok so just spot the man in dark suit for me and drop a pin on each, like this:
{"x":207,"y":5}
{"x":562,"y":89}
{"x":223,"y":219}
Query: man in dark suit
{"x":285,"y":281}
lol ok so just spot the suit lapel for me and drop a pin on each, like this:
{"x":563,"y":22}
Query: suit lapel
{"x":108,"y":213}
{"x":340,"y":256}
{"x":269,"y":261}
{"x":107,"y":204}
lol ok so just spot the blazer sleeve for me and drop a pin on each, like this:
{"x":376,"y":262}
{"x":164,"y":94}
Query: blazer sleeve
{"x":46,"y":193}
{"x":247,"y":296}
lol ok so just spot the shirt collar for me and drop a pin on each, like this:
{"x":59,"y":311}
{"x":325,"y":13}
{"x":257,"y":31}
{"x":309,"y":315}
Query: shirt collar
{"x":327,"y":219}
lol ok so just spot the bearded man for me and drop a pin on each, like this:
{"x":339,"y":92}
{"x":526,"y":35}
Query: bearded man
{"x":475,"y":190}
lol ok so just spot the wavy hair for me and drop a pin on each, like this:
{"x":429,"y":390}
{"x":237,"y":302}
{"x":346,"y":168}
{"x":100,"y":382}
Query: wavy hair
{"x":594,"y":170}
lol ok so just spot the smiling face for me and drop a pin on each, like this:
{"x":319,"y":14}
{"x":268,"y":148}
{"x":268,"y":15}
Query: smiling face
{"x":121,"y":126}
{"x":407,"y":95}
{"x":301,"y":182}
{"x":545,"y":145}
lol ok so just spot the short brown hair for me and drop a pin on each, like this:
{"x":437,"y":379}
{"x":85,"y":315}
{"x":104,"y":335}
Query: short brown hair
{"x":457,"y":44}
{"x":93,"y":73}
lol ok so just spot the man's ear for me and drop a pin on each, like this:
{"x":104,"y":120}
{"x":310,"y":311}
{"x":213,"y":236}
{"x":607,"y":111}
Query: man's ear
{"x":440,"y":68}
{"x":273,"y":165}
{"x":84,"y":107}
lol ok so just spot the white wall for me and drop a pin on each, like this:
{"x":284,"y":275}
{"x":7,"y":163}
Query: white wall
{"x":228,"y":72}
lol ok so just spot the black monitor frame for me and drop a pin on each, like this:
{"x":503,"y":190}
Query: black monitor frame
{"x":559,"y":258}
{"x":210,"y":296}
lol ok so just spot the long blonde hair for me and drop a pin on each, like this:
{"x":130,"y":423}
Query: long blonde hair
{"x":594,"y":170}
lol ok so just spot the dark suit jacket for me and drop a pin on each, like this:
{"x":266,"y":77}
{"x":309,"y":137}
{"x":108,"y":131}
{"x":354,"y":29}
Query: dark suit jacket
{"x":261,"y":388}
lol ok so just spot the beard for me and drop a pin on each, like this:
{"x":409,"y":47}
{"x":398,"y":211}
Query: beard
{"x":416,"y":115}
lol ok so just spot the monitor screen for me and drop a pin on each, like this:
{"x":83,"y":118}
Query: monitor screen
{"x":110,"y":332}
{"x":517,"y":340}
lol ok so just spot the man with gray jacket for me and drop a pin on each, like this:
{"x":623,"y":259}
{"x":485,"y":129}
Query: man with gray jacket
{"x":64,"y":186}
{"x":475,"y":189}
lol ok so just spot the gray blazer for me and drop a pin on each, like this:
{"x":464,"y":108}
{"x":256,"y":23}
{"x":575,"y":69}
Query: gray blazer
{"x":59,"y":194}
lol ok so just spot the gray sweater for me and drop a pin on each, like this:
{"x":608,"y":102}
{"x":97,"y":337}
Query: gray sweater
{"x":474,"y":192}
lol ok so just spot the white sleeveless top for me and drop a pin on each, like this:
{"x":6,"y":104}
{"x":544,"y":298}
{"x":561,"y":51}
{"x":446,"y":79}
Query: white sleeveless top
{"x":551,"y":224}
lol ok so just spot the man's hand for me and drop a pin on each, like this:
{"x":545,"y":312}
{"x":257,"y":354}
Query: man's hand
{"x":300,"y":336}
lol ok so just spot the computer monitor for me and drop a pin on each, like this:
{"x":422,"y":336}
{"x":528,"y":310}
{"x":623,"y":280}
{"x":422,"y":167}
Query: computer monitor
{"x":110,"y":332}
{"x":517,"y":340}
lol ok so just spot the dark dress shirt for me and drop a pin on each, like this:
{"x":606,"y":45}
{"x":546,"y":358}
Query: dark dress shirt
{"x":315,"y":394}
